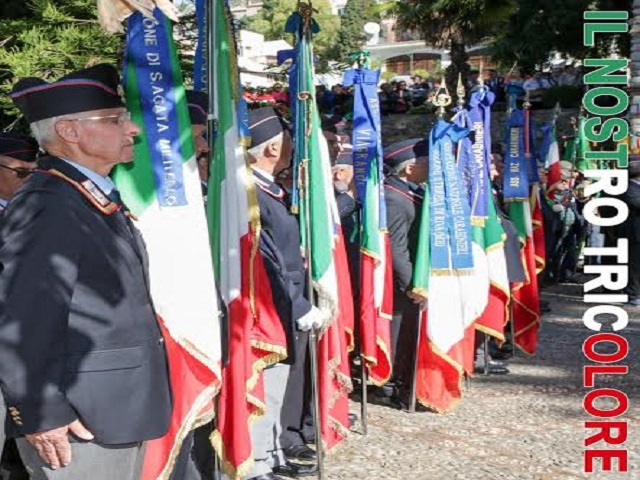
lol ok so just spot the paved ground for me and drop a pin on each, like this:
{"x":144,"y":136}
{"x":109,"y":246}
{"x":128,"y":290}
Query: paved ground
{"x":524,"y":426}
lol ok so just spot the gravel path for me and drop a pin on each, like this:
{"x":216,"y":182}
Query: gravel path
{"x":524,"y":426}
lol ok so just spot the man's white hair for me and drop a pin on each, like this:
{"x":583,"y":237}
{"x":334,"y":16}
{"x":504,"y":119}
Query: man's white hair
{"x":44,"y":131}
{"x":398,"y":169}
{"x":257,"y":150}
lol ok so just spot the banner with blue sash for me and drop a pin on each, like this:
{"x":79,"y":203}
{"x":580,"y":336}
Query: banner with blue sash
{"x":159,"y":84}
{"x":199,"y":59}
{"x":480,"y":116}
{"x":367,"y":136}
{"x":516,"y":166}
{"x":451,"y":249}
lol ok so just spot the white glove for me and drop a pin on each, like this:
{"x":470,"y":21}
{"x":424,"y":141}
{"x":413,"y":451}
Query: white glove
{"x":314,"y":318}
{"x":558,"y":208}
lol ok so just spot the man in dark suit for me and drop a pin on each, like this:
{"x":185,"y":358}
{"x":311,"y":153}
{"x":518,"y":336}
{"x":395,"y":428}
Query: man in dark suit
{"x":83,"y":366}
{"x":17,"y":160}
{"x":406,"y":164}
{"x":270,"y":153}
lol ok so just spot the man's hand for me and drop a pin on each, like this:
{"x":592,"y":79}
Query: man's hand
{"x":53,"y":445}
{"x":417,"y":298}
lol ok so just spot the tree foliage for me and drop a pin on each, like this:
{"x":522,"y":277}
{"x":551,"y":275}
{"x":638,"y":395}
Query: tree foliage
{"x":271,"y":19}
{"x":539,"y":27}
{"x":49,"y":39}
{"x":351,"y":36}
{"x":454,"y":24}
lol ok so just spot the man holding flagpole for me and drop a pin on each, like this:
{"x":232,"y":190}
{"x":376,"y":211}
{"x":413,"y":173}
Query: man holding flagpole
{"x":270,"y":153}
{"x":406,"y":162}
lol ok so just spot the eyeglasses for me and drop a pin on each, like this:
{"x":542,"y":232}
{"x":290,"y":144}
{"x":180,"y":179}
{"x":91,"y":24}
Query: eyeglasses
{"x":20,"y":172}
{"x":120,"y":118}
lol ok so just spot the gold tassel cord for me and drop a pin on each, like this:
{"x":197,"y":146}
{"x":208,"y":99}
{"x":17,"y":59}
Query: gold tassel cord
{"x":111,"y":13}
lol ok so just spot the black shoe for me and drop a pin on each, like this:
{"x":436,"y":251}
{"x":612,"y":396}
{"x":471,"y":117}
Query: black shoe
{"x":267,"y":476}
{"x":493,"y":370}
{"x":296,"y":470}
{"x":500,"y":355}
{"x":299,"y":452}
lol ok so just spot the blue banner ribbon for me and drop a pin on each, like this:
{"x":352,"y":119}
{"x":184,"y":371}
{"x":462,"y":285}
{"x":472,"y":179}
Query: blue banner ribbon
{"x":149,"y":52}
{"x":199,"y":59}
{"x":450,"y":213}
{"x":480,"y":117}
{"x":366,"y":125}
{"x":516,"y":167}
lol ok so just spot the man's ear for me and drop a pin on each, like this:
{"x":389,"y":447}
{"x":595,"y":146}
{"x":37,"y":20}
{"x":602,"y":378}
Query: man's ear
{"x":272,"y":149}
{"x":68,"y":130}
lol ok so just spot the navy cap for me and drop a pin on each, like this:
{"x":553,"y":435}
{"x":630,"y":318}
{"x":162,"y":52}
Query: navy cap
{"x":198,"y":103}
{"x":265,"y":124}
{"x":17,"y":145}
{"x":94,"y":88}
{"x":399,"y":152}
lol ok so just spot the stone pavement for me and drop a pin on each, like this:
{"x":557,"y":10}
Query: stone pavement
{"x":528,"y":425}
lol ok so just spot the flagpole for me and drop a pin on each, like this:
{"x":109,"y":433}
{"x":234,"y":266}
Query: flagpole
{"x":313,"y":352}
{"x":313,"y":338}
{"x":211,"y":128}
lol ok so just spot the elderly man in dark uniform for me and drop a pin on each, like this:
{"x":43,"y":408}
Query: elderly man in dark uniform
{"x":83,"y":366}
{"x":270,"y":153}
{"x":407,"y":168}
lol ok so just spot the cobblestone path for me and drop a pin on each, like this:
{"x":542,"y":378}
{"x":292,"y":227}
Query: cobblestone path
{"x":528,"y":425}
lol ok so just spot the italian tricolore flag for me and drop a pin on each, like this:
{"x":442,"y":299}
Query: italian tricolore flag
{"x":162,"y":189}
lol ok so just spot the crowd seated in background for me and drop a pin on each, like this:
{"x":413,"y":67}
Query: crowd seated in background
{"x":415,"y":93}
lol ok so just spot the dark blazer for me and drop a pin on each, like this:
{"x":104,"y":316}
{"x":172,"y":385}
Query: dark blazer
{"x":280,"y":248}
{"x":404,"y":206}
{"x":78,"y":332}
{"x":349,"y":211}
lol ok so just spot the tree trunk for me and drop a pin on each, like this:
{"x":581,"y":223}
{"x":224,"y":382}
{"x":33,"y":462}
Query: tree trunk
{"x":634,"y":83}
{"x":458,"y":65}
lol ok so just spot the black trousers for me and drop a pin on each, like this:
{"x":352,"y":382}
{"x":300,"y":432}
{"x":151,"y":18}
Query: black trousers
{"x":297,"y":395}
{"x":633,"y":288}
{"x":404,"y":335}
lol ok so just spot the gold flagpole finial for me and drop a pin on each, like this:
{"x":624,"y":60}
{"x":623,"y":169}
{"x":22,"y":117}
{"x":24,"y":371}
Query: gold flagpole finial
{"x":527,"y":103}
{"x":556,"y":112}
{"x":442,"y":99}
{"x":460,"y":91}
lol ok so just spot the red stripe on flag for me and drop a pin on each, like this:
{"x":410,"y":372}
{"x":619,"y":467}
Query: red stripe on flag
{"x":194,"y":386}
{"x":439,"y":375}
{"x":526,"y":303}
{"x":333,"y":359}
{"x":254,"y":343}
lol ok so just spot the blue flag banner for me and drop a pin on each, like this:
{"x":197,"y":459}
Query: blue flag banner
{"x":466,"y":162}
{"x":548,"y":132}
{"x":450,"y":213}
{"x":367,"y":146}
{"x":480,"y":118}
{"x":516,"y":167}
{"x":199,"y":59}
{"x":148,"y":53}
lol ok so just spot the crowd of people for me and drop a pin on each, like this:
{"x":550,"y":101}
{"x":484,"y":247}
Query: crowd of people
{"x":400,"y":95}
{"x":83,"y":366}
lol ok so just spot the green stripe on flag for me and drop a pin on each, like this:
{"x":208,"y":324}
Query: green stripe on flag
{"x":136,"y":178}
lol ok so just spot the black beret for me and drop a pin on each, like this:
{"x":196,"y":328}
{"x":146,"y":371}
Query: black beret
{"x":399,"y":152}
{"x":198,"y":103}
{"x":265,"y":124}
{"x":345,"y":157}
{"x":17,"y":145}
{"x":94,"y":88}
